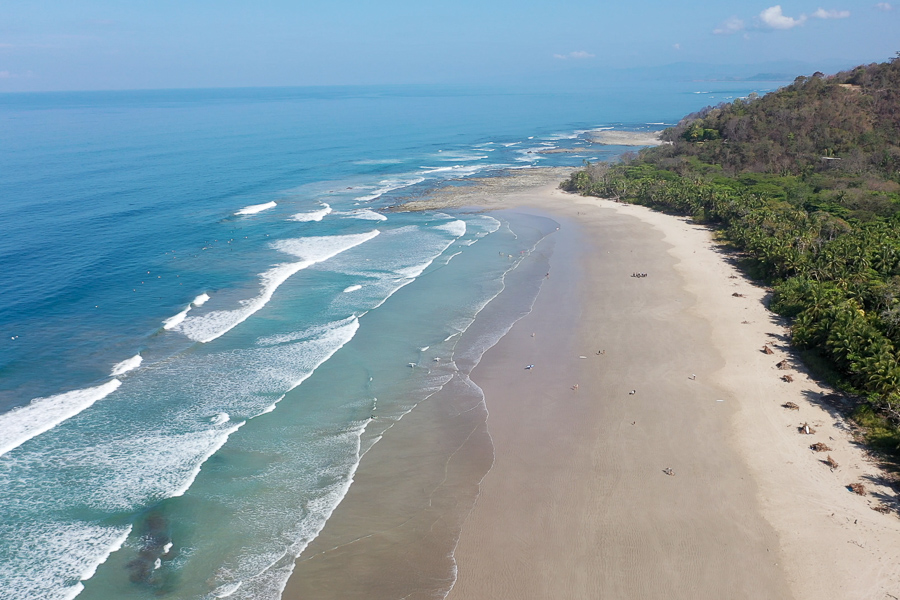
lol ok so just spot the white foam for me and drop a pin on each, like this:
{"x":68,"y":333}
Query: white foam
{"x":157,"y":564}
{"x":57,"y":558}
{"x":316,"y":215}
{"x":129,"y":364}
{"x":462,"y":157}
{"x":226,"y":590}
{"x":455,"y":228}
{"x":311,"y":250}
{"x":256,"y":208}
{"x":201,"y":299}
{"x":389,"y":185}
{"x":352,"y":288}
{"x":366,"y":214}
{"x":175,"y":320}
{"x":166,"y":548}
{"x":220,"y":418}
{"x":42,"y":414}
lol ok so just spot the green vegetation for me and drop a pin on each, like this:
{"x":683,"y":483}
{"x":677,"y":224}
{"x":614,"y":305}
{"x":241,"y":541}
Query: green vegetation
{"x":805,"y":182}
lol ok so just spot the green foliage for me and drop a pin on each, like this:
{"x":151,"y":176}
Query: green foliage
{"x":805,"y":182}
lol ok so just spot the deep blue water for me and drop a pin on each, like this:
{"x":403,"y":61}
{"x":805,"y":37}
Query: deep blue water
{"x":153,"y":339}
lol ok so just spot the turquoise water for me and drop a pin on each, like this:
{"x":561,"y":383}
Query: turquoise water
{"x":207,"y":319}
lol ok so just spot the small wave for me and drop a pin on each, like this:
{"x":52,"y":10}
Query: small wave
{"x":226,"y":590}
{"x":455,"y":228}
{"x":214,"y":442}
{"x":175,"y":320}
{"x":316,"y":215}
{"x":389,"y":185}
{"x":42,"y":414}
{"x":367,"y":215}
{"x":201,"y":299}
{"x":220,"y":418}
{"x":310,"y":250}
{"x":463,"y":157}
{"x":352,"y":288}
{"x":129,"y":364}
{"x":256,"y":208}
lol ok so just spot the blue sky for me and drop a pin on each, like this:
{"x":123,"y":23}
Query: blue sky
{"x":137,"y":44}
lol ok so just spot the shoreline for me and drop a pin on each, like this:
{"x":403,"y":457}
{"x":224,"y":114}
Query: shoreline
{"x":749,"y":512}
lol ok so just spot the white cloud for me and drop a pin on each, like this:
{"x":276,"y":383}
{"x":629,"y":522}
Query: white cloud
{"x":576,"y":54}
{"x":831,"y":14}
{"x":773,"y":18}
{"x":884,"y":6}
{"x":732,"y":25}
{"x":676,"y":46}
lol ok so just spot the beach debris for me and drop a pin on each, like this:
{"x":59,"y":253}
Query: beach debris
{"x":783,"y":365}
{"x":582,"y":357}
{"x":736,"y":295}
{"x":819,"y":447}
{"x":575,"y":388}
{"x":732,"y":277}
{"x":669,"y":471}
{"x":692,"y":377}
{"x":806,"y":429}
{"x":529,"y":367}
{"x":638,"y":275}
{"x":745,"y":322}
{"x":831,"y":462}
{"x":882,"y":508}
{"x":790,"y":406}
{"x":767,"y":350}
{"x":787,"y":378}
{"x":599,"y":352}
{"x":632,"y":392}
{"x":857,"y":488}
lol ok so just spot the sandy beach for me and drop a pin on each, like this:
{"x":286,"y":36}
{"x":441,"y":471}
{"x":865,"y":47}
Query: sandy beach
{"x":647,"y":454}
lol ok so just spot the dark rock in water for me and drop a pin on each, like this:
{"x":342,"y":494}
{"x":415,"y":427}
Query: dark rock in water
{"x":154,"y":538}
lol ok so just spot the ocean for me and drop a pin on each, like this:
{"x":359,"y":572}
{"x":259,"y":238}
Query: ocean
{"x":207,"y":316}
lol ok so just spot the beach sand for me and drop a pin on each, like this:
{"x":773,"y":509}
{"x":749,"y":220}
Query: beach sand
{"x":575,"y":500}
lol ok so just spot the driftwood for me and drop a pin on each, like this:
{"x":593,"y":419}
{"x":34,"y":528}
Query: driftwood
{"x":831,"y":462}
{"x":736,"y":295}
{"x":783,"y":365}
{"x":857,"y":488}
{"x":787,"y":378}
{"x":767,"y":350}
{"x":820,"y":447}
{"x":806,"y":429}
{"x":882,"y":508}
{"x":790,"y":406}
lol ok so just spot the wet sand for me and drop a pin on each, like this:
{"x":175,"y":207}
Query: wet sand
{"x":575,"y":500}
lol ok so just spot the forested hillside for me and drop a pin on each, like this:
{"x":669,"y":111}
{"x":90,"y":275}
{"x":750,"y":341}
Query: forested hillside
{"x":805,"y":182}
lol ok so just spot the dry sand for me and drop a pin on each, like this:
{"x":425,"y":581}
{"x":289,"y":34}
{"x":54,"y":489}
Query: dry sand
{"x":750,"y":511}
{"x":576,"y":503}
{"x":611,"y":137}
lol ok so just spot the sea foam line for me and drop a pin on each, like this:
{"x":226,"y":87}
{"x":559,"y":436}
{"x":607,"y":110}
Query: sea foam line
{"x":42,"y":414}
{"x":255,"y":208}
{"x":310,"y":250}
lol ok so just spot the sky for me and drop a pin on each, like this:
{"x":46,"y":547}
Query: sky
{"x":48,"y":45}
